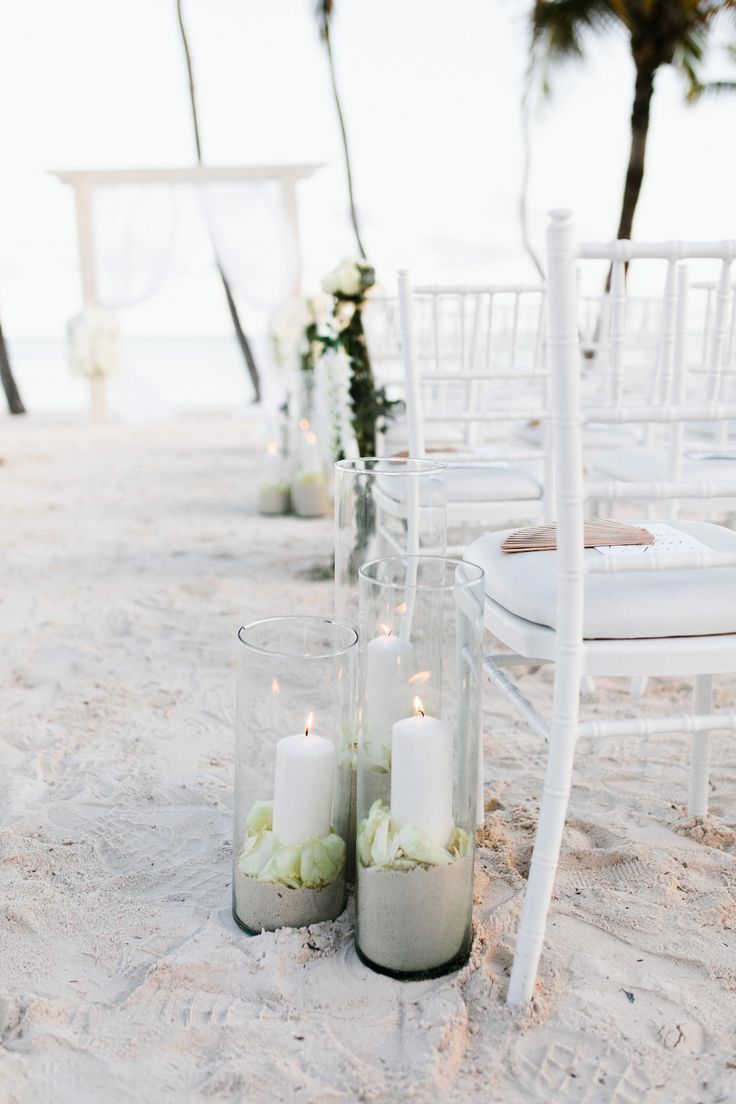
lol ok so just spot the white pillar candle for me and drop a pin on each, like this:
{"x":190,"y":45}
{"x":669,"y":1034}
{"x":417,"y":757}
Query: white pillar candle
{"x":309,"y":456}
{"x":389,"y":664}
{"x":302,"y":800}
{"x":274,"y":468}
{"x":421,"y":775}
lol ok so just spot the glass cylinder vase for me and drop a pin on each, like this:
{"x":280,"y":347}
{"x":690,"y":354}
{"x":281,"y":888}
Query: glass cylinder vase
{"x":421,"y":630}
{"x":295,"y":730}
{"x":384,"y":507}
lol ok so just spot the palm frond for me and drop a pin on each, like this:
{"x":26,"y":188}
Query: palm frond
{"x":558,"y":26}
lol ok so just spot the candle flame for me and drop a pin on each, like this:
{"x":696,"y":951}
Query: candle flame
{"x":386,"y":629}
{"x":310,"y":438}
{"x":304,"y":423}
{"x":272,"y":448}
{"x":275,"y":688}
{"x":418,"y":706}
{"x":308,"y":724}
{"x":401,"y":608}
{"x":420,"y":676}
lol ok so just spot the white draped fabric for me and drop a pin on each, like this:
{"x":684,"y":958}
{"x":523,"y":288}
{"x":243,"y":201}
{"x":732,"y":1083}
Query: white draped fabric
{"x":141,"y":232}
{"x":138,"y":228}
{"x":135,"y":229}
{"x":252,"y":240}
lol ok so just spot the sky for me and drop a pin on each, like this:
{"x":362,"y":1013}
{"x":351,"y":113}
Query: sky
{"x":431,"y":92}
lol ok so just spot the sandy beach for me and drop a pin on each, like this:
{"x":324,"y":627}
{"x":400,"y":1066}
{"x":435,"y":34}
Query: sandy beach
{"x":130,"y":558}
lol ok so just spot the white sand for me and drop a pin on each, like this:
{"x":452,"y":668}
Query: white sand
{"x":130,"y":557}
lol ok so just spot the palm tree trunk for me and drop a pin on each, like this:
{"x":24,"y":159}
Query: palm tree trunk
{"x":344,"y":136}
{"x":12,"y":394}
{"x":643,"y":92}
{"x":240,"y":334}
{"x":526,"y":147}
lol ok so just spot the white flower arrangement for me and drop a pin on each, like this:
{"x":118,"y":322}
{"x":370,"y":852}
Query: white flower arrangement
{"x":93,"y":338}
{"x":350,"y":279}
{"x":324,"y":337}
{"x":332,"y":406}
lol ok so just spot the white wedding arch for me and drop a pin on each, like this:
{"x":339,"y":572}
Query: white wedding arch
{"x":126,"y":228}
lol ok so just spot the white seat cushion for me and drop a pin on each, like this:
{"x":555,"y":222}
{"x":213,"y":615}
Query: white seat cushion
{"x":396,"y":437}
{"x":595,"y":436}
{"x":473,"y":481}
{"x":629,"y":605}
{"x":650,"y":463}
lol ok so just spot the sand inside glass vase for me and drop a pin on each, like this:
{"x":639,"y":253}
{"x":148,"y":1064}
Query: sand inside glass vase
{"x":416,"y":920}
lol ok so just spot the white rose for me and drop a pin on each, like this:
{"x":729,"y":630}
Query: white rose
{"x":344,"y":313}
{"x":320,"y":307}
{"x":343,"y":280}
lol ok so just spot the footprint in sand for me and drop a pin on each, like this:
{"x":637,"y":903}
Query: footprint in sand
{"x":592,"y":856}
{"x":560,"y":1071}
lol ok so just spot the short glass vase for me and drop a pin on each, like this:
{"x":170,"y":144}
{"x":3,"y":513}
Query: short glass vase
{"x":295,"y":729}
{"x":421,"y":630}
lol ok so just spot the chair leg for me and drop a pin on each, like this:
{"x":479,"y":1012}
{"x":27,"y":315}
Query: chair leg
{"x":638,"y":687}
{"x":587,"y":686}
{"x":543,"y":866}
{"x":700,"y":755}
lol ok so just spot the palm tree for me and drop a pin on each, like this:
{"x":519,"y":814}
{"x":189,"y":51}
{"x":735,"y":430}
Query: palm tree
{"x":325,"y":10}
{"x":660,"y":32}
{"x":243,"y":341}
{"x":12,"y":394}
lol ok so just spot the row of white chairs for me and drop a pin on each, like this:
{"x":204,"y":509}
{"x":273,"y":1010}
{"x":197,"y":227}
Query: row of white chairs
{"x":586,"y":613}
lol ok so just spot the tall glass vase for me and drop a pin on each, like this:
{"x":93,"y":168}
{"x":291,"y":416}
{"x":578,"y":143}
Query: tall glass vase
{"x":295,"y":730}
{"x":421,"y":630}
{"x":383,"y":507}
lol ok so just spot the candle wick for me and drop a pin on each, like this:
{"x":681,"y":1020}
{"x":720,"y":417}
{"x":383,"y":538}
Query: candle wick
{"x":420,"y":712}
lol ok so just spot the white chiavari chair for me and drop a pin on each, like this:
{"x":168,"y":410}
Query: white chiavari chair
{"x":474,"y":366}
{"x":621,"y":615}
{"x":704,"y":375}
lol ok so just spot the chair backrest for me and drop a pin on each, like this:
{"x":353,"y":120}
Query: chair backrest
{"x":473,"y":357}
{"x":672,"y":404}
{"x":382,"y":328}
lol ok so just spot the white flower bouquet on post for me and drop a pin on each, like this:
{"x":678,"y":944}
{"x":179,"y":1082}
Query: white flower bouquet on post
{"x":335,"y":360}
{"x":94,"y":343}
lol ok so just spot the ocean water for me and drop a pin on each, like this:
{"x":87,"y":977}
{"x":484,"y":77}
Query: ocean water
{"x":158,"y":377}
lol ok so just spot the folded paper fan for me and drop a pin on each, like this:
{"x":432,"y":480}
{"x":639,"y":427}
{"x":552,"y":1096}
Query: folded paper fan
{"x":599,"y":531}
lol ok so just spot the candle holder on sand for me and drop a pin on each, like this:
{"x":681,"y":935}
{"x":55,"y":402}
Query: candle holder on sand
{"x":294,"y":728}
{"x":274,"y":495}
{"x":310,"y":495}
{"x":421,"y":628}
